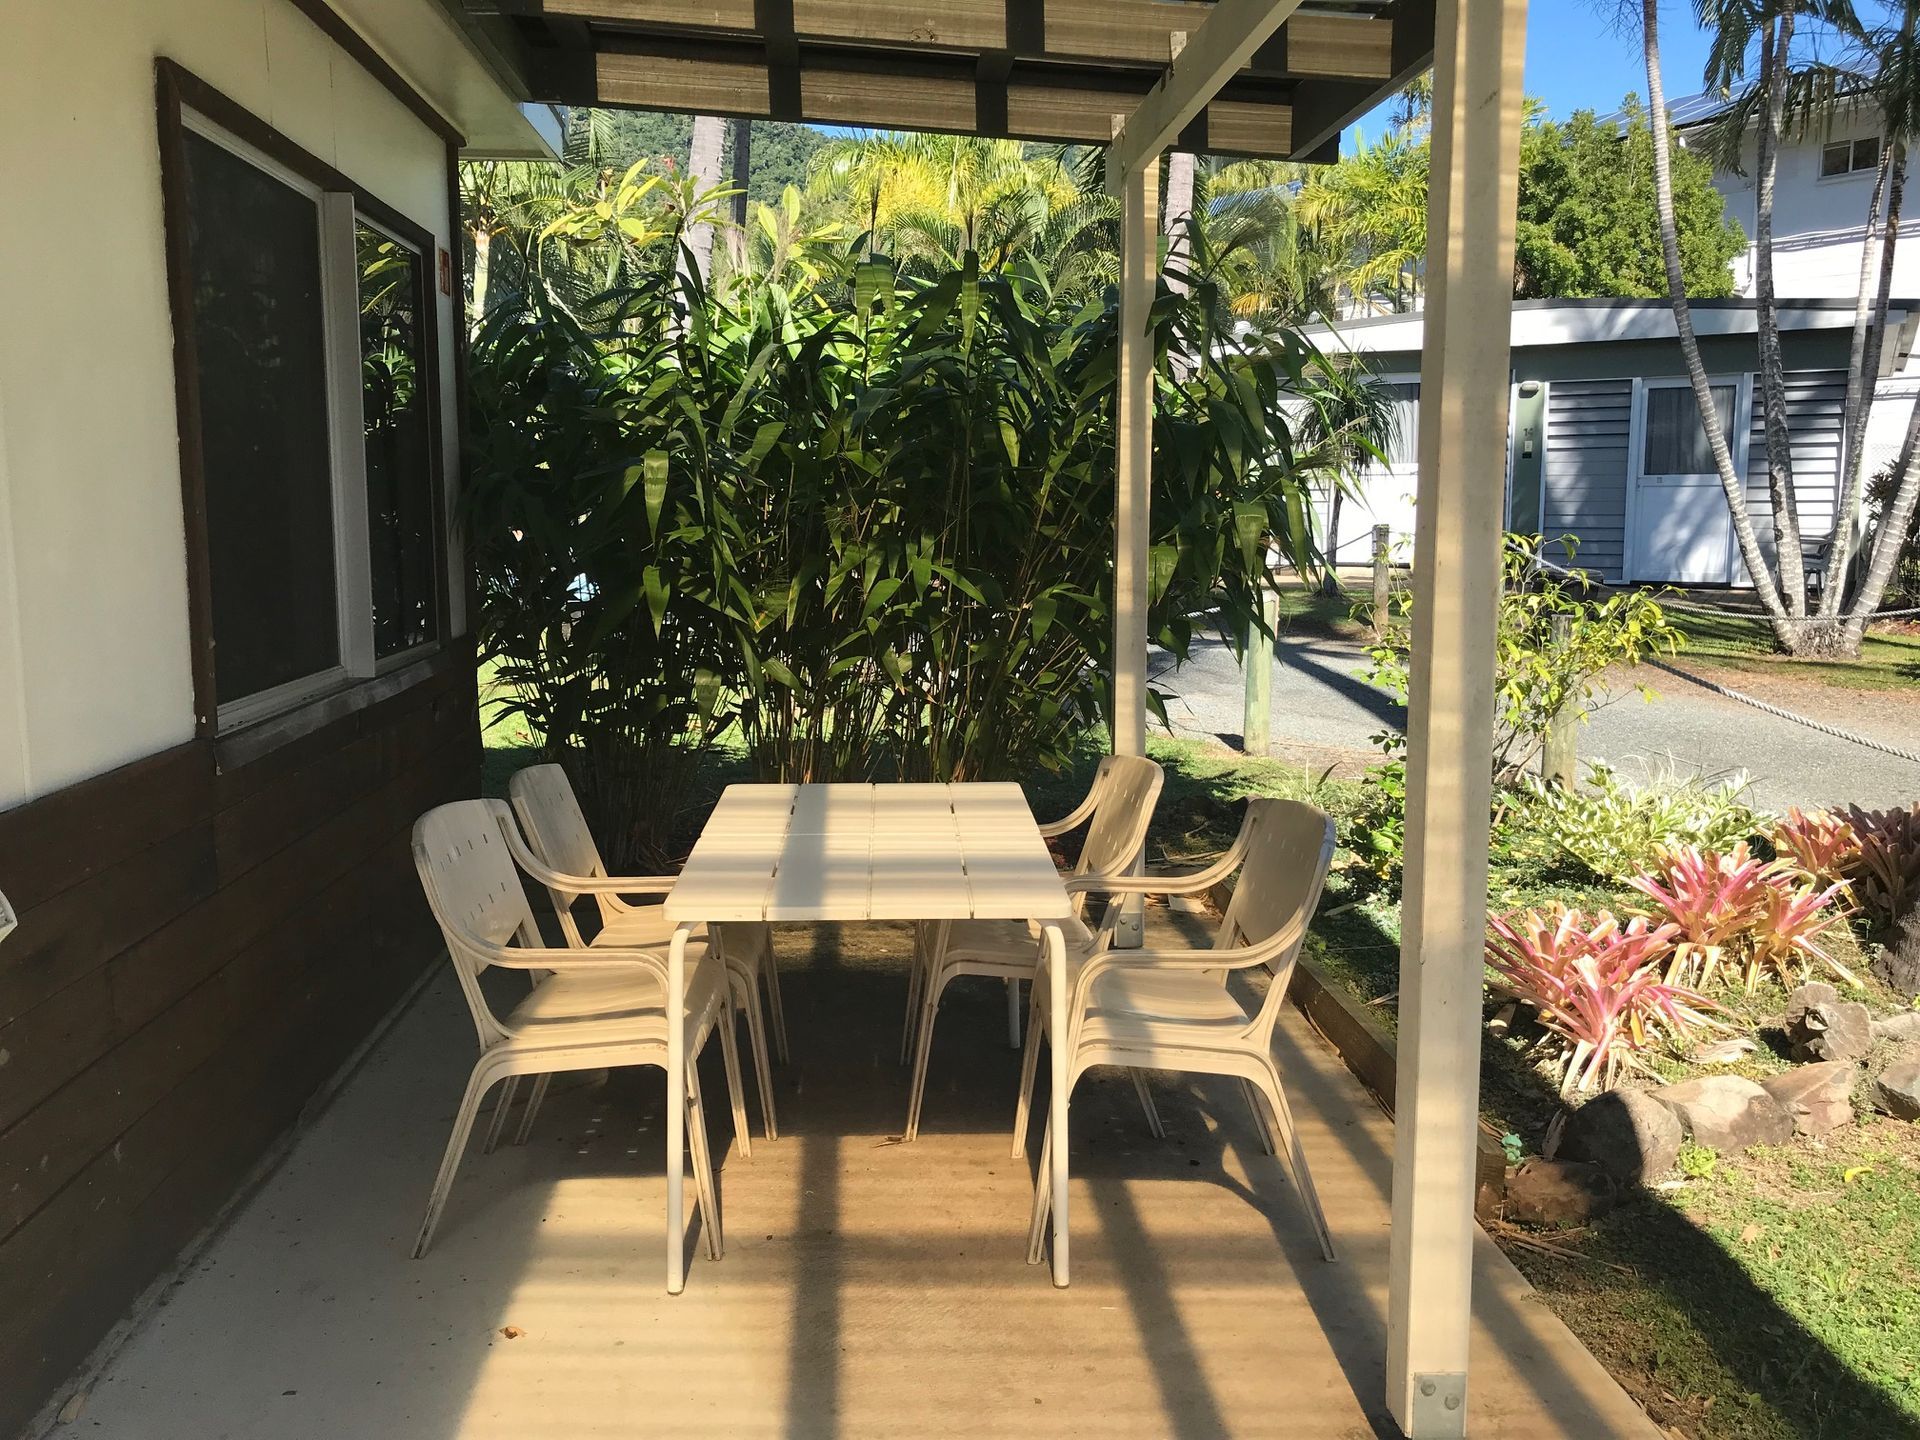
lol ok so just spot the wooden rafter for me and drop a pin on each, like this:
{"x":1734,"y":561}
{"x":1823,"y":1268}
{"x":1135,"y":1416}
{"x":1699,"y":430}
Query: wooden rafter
{"x":1057,"y":71}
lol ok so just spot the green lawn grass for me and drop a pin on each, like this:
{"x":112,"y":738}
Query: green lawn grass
{"x":1889,"y":657}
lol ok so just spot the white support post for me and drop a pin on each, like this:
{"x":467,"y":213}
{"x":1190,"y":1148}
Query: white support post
{"x":1133,"y":473}
{"x":1478,"y":48}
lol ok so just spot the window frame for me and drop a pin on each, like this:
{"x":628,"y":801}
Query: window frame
{"x":1852,"y":148}
{"x":187,"y":105}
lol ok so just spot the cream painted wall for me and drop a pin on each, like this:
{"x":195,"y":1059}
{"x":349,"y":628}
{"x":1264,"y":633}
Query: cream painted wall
{"x":94,"y":664}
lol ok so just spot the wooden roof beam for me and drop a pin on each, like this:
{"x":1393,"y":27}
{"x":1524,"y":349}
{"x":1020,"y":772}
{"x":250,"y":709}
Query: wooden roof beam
{"x":1213,"y":55}
{"x":1314,"y":44}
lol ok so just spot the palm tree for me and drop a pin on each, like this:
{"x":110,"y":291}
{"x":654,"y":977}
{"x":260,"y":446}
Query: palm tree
{"x":1731,"y":484}
{"x":703,"y":169}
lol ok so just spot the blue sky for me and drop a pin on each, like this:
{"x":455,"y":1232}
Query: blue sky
{"x":1576,"y":60}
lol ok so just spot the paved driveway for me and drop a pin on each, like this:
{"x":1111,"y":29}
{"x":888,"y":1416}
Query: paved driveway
{"x":1324,"y":712}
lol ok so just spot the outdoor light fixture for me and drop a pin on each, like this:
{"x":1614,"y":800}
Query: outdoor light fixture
{"x":8,"y":920}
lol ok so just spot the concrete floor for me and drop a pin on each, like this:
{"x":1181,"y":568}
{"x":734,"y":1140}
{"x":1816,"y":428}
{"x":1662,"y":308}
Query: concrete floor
{"x":869,"y":1288}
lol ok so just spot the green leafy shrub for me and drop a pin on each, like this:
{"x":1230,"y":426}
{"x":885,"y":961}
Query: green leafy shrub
{"x":1615,"y":829}
{"x":1553,"y":644}
{"x":1698,"y":1162}
{"x":869,"y":525}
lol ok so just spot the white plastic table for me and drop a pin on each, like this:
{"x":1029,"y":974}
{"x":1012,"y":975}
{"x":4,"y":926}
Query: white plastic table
{"x":865,"y":852}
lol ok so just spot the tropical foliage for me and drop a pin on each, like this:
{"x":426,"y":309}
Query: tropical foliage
{"x":1588,"y":224}
{"x":868,"y":523}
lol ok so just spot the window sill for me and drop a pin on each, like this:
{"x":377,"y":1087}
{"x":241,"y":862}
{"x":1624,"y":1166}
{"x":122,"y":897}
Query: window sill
{"x":247,"y":743}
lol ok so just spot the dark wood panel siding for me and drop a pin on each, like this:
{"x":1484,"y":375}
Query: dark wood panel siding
{"x":198,"y":951}
{"x":1588,"y":422}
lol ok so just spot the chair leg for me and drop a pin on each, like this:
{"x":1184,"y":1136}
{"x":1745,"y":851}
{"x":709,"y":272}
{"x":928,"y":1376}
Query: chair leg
{"x":933,"y":985}
{"x":916,"y":982}
{"x":1294,"y":1158}
{"x":762,"y":1066}
{"x":1042,"y":1204}
{"x":477,"y":1086}
{"x":498,"y":1124}
{"x":1248,"y":1089}
{"x":534,"y":1101}
{"x":730,"y":1057}
{"x":1029,"y":1066}
{"x":705,"y":1195}
{"x":1139,"y":1079}
{"x":1013,"y":1013}
{"x":776,"y":1006}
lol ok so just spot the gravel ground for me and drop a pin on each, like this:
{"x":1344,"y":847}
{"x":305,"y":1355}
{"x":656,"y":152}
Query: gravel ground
{"x":1324,"y":713}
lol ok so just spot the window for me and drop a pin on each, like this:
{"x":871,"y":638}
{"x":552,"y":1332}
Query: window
{"x":1403,"y":443}
{"x":1675,"y":442}
{"x":401,"y":524}
{"x":309,"y":415}
{"x":260,"y":349}
{"x":1847,"y":157}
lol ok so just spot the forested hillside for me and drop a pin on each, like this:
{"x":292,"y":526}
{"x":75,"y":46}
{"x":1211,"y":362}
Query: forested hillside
{"x":778,"y":156}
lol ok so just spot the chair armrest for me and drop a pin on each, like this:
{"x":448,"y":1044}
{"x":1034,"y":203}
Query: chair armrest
{"x":529,"y":957}
{"x":582,"y":884}
{"x":1163,"y":884}
{"x":1076,"y":818}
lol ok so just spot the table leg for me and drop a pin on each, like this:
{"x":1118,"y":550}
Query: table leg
{"x":1057,"y":1104}
{"x":677,"y":1109}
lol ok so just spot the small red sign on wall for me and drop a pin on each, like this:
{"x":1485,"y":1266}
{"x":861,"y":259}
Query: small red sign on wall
{"x":446,"y":273}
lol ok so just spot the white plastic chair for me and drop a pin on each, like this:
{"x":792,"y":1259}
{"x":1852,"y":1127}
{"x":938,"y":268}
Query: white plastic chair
{"x":568,"y":863}
{"x":1170,"y":1009}
{"x":1118,"y":809}
{"x":591,"y":1008}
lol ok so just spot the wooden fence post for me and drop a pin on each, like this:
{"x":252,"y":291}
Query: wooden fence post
{"x":1559,"y":762}
{"x":1256,"y":728}
{"x":1381,"y":581}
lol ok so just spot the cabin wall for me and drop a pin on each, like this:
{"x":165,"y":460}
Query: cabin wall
{"x":209,"y":925}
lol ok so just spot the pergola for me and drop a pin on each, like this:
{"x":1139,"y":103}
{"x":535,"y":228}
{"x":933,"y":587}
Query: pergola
{"x":1245,"y":77}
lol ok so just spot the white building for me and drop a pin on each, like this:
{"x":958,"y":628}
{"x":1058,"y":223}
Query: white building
{"x":1823,"y":185}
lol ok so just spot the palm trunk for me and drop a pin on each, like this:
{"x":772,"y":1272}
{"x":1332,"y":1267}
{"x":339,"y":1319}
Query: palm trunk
{"x":1889,"y":539}
{"x":1864,"y":372}
{"x":742,"y":168}
{"x":1179,"y":212}
{"x":1774,"y":41}
{"x":482,"y":256}
{"x":1731,"y":484}
{"x":703,"y":166}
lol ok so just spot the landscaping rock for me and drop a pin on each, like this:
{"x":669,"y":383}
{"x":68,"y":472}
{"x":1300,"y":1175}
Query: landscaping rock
{"x":1727,"y":1112}
{"x":1831,"y":1030}
{"x":1900,"y":1028}
{"x":1818,"y":1097}
{"x":1627,"y":1133}
{"x":1897,"y":1091}
{"x":1804,"y":998}
{"x":1898,"y":964}
{"x":1558,"y":1192}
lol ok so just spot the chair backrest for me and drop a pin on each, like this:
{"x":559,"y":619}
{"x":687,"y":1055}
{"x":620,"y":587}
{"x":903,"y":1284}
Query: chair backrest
{"x":556,"y":831}
{"x":1128,"y":787}
{"x":1289,"y":850}
{"x":473,"y":888}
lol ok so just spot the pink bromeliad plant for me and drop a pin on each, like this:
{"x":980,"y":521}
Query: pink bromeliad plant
{"x":1597,"y":986}
{"x":1737,"y":911}
{"x":1786,"y":934}
{"x":1819,"y":844}
{"x":1711,"y":899}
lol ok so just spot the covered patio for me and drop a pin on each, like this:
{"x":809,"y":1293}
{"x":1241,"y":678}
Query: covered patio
{"x":869,"y":1287}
